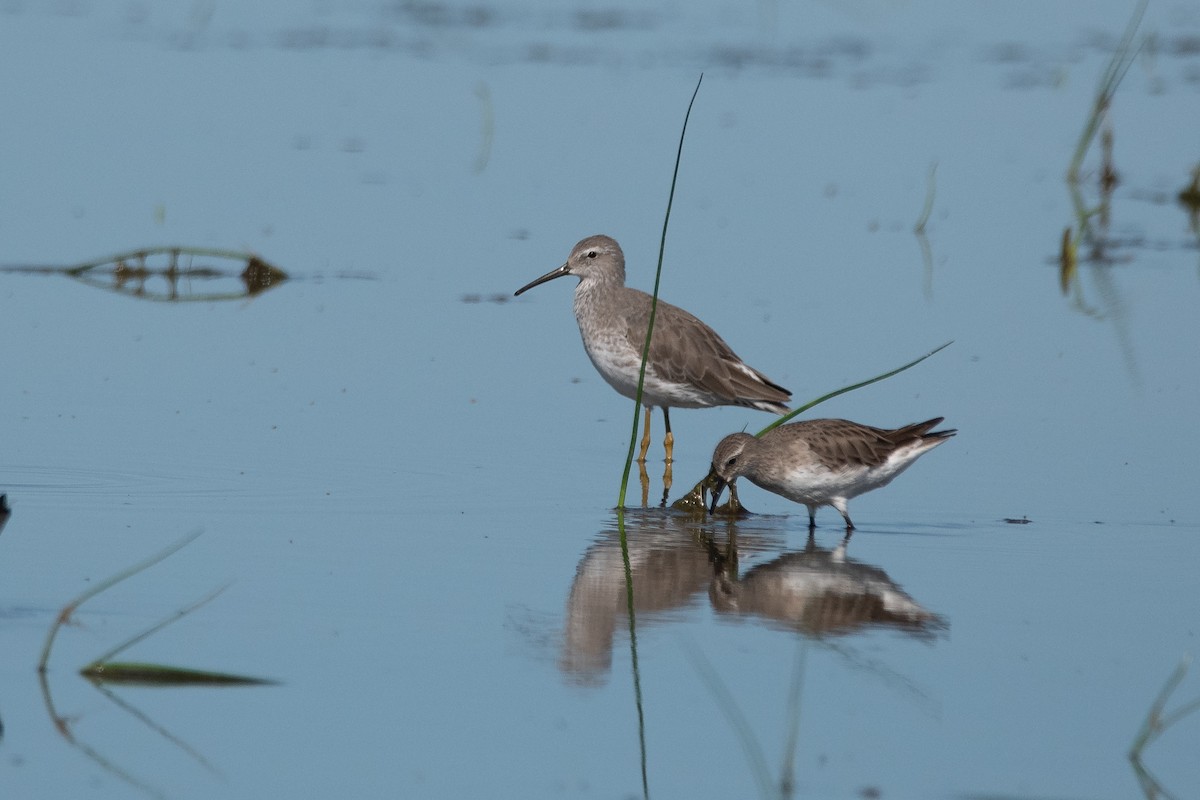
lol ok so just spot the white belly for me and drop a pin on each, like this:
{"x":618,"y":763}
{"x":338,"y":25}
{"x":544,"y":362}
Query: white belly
{"x":619,"y":364}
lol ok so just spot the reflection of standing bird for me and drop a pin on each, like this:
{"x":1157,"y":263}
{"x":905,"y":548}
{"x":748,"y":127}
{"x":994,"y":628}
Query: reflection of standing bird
{"x":688,"y":366}
{"x":822,"y":462}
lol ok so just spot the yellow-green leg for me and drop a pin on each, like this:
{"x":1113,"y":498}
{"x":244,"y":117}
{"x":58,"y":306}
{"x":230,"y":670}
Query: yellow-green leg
{"x":645,"y":439}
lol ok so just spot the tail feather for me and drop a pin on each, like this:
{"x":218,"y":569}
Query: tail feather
{"x":922,"y":431}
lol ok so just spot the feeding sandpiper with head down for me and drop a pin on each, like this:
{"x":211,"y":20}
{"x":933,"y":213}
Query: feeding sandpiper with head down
{"x":688,"y":366}
{"x":821,"y":462}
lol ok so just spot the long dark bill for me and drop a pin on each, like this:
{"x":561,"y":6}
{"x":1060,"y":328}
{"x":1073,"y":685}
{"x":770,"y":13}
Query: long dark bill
{"x":718,"y":486}
{"x":549,"y":276}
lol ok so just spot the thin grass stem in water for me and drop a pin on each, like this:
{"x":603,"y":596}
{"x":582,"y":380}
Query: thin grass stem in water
{"x":1155,"y":724}
{"x":1111,"y":78}
{"x":98,"y":664}
{"x":637,"y":407}
{"x":662,"y":246}
{"x":64,"y":615}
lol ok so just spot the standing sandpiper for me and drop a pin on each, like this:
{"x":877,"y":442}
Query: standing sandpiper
{"x":688,"y":366}
{"x":821,"y":462}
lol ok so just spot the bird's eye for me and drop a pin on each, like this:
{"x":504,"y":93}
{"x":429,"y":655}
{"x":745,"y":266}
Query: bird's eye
{"x":731,"y":462}
{"x":591,"y":253}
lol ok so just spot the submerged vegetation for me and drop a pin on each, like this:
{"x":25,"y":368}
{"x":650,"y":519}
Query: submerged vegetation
{"x":1110,"y":79}
{"x":1084,"y":233}
{"x":104,"y":669}
{"x":103,"y":672}
{"x":172,"y":274}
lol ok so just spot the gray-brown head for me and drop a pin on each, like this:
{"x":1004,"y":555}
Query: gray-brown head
{"x":732,"y":457}
{"x":597,"y":258}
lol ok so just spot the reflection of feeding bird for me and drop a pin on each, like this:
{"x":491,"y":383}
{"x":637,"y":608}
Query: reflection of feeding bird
{"x":822,"y":462}
{"x":688,"y":366}
{"x":822,"y":593}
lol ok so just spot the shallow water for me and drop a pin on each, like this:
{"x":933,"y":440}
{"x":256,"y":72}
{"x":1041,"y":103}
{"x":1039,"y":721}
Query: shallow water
{"x":410,"y":476}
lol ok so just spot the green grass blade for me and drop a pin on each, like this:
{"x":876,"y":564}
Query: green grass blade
{"x":137,"y":673}
{"x":1155,"y":722}
{"x":100,"y":661}
{"x":662,"y":246}
{"x":1113,"y":74}
{"x":787,"y":417}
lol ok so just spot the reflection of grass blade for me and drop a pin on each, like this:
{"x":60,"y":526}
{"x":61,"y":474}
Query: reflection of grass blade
{"x":633,"y":653}
{"x":734,"y":716}
{"x":930,"y":190}
{"x":141,"y":717}
{"x":662,"y":246}
{"x":919,"y":229}
{"x":927,"y":261}
{"x":64,"y":615}
{"x":844,"y":389}
{"x":787,"y":779}
{"x":139,"y":256}
{"x":1150,"y":785}
{"x":129,"y":273}
{"x":62,"y":725}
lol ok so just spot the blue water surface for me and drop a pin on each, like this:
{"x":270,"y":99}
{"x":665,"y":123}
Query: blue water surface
{"x":409,"y":477}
